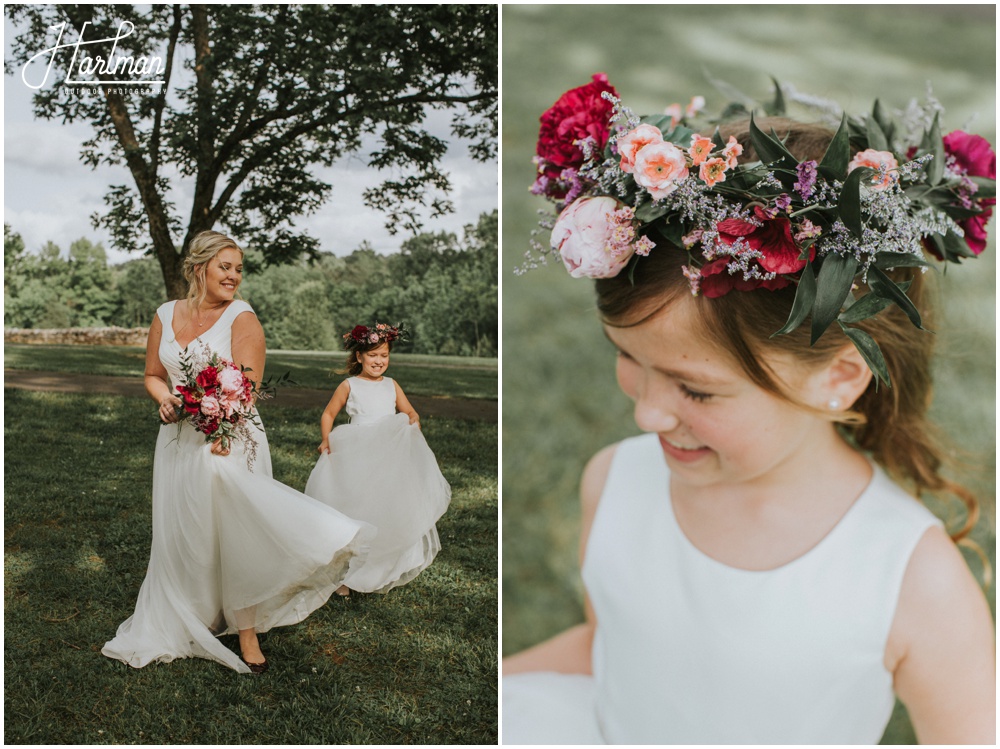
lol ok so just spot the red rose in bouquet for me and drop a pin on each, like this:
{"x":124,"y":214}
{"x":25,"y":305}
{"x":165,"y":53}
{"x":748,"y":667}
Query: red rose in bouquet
{"x":579,"y":114}
{"x":973,"y":156}
{"x":218,"y":399}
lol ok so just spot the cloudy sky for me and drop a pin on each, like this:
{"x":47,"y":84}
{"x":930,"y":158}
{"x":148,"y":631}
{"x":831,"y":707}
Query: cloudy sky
{"x":50,"y":195}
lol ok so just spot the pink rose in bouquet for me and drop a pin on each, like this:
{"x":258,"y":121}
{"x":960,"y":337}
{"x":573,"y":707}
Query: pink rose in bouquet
{"x":659,"y":167}
{"x":883,"y":162}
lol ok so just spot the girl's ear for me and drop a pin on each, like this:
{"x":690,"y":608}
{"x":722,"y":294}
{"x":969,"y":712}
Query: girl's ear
{"x":844,"y":379}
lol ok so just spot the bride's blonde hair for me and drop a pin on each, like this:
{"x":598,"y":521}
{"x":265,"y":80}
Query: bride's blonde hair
{"x":205,"y":246}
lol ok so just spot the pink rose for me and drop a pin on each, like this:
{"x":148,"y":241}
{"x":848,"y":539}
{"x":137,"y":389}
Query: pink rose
{"x":876,"y":160}
{"x":230,"y":380}
{"x":635,"y":140}
{"x":583,"y":236}
{"x":773,"y":240}
{"x":732,"y":152}
{"x":210,"y":406}
{"x":659,"y":167}
{"x":578,"y":114}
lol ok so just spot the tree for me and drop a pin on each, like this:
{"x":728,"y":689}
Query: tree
{"x":254,"y":96}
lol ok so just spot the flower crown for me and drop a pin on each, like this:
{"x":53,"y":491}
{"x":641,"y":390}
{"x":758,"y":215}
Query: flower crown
{"x":361,"y":336}
{"x":625,"y":185}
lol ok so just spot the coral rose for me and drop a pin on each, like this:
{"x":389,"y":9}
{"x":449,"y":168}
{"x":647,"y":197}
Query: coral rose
{"x":876,"y":160}
{"x":773,"y":240}
{"x":700,"y":149}
{"x":583,"y":237}
{"x":635,"y":140}
{"x":578,"y":114}
{"x":659,"y":167}
{"x":713,"y":171}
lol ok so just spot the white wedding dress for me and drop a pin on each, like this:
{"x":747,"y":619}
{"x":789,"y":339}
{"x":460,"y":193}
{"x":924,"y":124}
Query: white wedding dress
{"x":380,"y":470}
{"x":232,"y":548}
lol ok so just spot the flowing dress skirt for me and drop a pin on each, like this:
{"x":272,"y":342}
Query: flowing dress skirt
{"x":232,"y":549}
{"x":383,"y":472}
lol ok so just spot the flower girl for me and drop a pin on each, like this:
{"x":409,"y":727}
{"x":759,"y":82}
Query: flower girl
{"x":379,"y":467}
{"x":757,"y":567}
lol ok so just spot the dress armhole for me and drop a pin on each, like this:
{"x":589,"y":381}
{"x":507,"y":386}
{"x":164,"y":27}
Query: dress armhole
{"x":593,"y":486}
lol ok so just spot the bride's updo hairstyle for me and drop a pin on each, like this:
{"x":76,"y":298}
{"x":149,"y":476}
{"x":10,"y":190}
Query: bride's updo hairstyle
{"x":890,"y":423}
{"x":205,"y":246}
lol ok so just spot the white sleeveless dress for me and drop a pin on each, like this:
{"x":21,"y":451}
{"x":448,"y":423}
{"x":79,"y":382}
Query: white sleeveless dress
{"x":380,"y":470}
{"x":691,"y":651}
{"x":232,"y":549}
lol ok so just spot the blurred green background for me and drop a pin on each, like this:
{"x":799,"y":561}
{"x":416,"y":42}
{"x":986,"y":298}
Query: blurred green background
{"x":560,"y":401}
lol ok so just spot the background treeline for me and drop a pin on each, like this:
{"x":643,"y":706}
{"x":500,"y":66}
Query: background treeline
{"x":443,"y":288}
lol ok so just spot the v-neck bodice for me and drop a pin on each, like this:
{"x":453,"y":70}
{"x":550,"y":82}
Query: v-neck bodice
{"x":217,"y":338}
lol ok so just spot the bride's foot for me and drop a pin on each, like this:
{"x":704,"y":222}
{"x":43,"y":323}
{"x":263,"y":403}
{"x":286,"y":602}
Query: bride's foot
{"x":252,"y":655}
{"x":343,"y":590}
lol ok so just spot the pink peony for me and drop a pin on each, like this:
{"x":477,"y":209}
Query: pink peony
{"x":659,"y":167}
{"x":210,"y":406}
{"x":635,"y":140}
{"x":700,"y":149}
{"x":876,"y":160}
{"x":231,"y":380}
{"x":583,"y":236}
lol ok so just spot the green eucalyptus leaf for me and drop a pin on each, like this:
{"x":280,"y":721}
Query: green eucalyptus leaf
{"x":673,"y":232}
{"x":770,"y":149}
{"x":935,"y":170}
{"x":832,"y":287}
{"x":717,"y":139}
{"x":660,"y":121}
{"x":650,"y":212}
{"x":884,"y":286}
{"x":955,"y":246}
{"x":886,"y":260}
{"x":680,"y":136}
{"x":884,"y":120}
{"x":870,"y":352}
{"x":805,"y":295}
{"x":777,"y":107}
{"x":987,"y":187}
{"x":838,"y":153}
{"x":867,"y":306}
{"x":850,"y":200}
{"x":876,"y":138}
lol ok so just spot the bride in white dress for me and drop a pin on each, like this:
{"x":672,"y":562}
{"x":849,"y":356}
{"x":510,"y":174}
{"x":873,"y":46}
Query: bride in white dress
{"x":233,"y":551}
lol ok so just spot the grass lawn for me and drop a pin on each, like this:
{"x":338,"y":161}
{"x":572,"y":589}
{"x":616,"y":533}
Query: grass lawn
{"x":415,"y":666}
{"x":418,"y":374}
{"x":561,"y":401}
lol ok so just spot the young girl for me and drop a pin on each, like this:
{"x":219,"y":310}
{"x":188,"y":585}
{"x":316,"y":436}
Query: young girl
{"x":754,"y":573}
{"x":379,"y":467}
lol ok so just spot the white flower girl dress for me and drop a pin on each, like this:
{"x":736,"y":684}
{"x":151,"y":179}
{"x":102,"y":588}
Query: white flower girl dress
{"x":380,"y":470}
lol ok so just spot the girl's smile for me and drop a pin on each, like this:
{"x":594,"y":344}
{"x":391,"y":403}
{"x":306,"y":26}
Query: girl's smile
{"x":374,"y":362}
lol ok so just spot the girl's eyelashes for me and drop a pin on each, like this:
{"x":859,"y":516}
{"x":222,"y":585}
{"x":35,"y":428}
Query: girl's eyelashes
{"x":694,"y":395}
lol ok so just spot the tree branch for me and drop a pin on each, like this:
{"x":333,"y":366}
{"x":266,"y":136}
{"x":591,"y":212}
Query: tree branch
{"x":161,"y":99}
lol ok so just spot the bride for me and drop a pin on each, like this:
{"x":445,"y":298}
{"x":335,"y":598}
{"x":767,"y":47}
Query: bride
{"x":233,"y":551}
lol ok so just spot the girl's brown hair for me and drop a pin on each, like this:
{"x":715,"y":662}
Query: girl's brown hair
{"x":352,"y":367}
{"x":889,"y":423}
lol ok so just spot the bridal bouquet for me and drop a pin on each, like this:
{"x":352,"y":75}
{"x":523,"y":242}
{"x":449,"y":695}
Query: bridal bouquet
{"x":218,"y":399}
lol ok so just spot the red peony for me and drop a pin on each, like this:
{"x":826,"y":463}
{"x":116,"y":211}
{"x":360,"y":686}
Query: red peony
{"x":208,"y":378}
{"x":716,"y":280}
{"x":973,"y":156}
{"x":578,"y":114}
{"x":773,"y":240}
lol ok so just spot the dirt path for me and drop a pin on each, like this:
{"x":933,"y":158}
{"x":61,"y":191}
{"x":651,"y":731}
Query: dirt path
{"x":294,"y":397}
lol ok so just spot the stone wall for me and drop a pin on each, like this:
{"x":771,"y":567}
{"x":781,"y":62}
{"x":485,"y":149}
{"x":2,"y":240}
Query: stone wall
{"x":93,"y":336}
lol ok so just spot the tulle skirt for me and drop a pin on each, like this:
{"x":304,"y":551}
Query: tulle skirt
{"x":549,"y":708}
{"x":232,"y":549}
{"x":383,"y":472}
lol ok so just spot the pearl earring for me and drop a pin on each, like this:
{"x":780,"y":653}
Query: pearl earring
{"x":834,"y":404}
